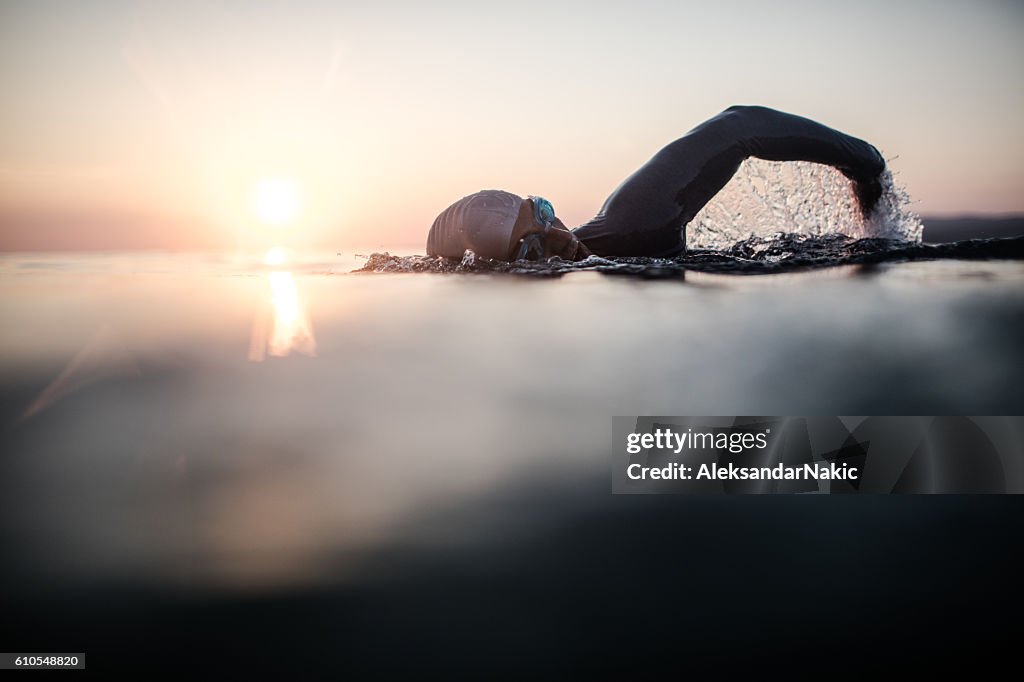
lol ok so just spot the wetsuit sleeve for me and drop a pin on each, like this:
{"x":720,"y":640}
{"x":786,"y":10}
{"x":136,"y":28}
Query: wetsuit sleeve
{"x":777,"y":136}
{"x":647,"y":214}
{"x":716,"y":148}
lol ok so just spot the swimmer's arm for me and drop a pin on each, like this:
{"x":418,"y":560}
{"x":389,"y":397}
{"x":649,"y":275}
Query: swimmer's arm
{"x":777,"y":136}
{"x":563,"y":242}
{"x":773,"y":135}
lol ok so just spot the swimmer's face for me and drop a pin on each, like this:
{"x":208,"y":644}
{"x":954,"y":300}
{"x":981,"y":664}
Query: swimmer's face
{"x":559,"y":240}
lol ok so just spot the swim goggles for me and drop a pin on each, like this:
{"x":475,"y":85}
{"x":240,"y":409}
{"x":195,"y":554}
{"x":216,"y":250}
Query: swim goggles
{"x":531,"y":247}
{"x":543,"y":211}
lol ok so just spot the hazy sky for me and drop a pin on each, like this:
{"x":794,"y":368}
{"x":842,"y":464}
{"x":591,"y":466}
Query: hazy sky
{"x":133,"y":124}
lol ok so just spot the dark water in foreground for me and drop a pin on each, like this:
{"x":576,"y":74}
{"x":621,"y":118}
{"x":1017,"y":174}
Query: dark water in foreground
{"x":292,"y":470}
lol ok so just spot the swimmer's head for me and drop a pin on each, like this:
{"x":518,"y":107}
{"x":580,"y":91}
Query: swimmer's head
{"x":502,"y":226}
{"x":482,"y":222}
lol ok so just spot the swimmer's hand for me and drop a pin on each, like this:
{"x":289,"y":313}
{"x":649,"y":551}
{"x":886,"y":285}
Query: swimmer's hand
{"x":867,"y":181}
{"x":868,"y":192}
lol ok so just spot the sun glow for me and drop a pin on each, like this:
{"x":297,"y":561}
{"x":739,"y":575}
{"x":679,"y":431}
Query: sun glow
{"x":275,"y":257}
{"x":277,"y":201}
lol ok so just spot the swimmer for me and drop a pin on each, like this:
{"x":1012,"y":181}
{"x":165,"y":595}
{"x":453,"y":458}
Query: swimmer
{"x":648,"y":213}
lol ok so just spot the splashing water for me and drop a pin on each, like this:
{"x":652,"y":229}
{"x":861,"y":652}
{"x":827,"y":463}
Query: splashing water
{"x":752,"y":256}
{"x":802,"y":198}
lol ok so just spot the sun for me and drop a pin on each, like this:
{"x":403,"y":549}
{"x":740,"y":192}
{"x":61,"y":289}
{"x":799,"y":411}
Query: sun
{"x":275,"y":256}
{"x":277,"y":201}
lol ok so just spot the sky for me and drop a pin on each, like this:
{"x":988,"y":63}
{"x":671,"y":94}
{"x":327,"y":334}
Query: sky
{"x":181,"y":125}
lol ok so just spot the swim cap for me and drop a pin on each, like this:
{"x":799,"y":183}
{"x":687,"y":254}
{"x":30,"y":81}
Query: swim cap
{"x":481,"y":222}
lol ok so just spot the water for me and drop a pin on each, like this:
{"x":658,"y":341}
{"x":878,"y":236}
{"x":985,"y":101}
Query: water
{"x":373,"y":397}
{"x":809,"y":199}
{"x":310,"y":458}
{"x":755,"y":255}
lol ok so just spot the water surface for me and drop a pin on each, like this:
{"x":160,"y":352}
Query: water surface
{"x":208,"y":427}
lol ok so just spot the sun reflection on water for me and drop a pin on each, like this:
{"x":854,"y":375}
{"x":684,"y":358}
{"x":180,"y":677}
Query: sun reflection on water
{"x":284,"y":327}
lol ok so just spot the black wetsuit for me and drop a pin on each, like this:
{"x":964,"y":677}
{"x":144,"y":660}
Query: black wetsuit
{"x":647,"y":214}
